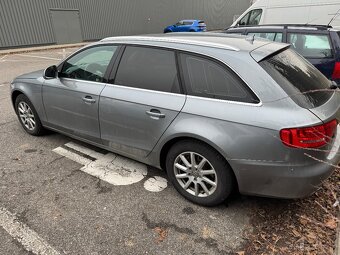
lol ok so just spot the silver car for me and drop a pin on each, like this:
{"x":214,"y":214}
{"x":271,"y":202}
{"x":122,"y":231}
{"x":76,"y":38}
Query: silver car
{"x":217,"y":112}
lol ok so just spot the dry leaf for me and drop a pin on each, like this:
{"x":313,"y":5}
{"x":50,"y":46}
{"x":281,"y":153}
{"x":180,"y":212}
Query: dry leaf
{"x":331,"y":223}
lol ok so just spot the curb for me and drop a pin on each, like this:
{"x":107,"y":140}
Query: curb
{"x":40,"y":48}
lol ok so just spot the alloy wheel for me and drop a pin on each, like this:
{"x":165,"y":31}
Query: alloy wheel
{"x":195,"y":174}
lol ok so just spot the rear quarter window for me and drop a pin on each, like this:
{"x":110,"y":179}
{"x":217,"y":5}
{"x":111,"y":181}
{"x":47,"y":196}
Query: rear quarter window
{"x":207,"y":78}
{"x":298,"y":78}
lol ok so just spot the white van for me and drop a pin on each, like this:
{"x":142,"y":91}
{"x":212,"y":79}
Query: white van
{"x":316,"y":12}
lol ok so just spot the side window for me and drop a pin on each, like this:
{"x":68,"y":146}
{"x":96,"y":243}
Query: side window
{"x":187,"y":23}
{"x":148,"y":68}
{"x":180,"y":23}
{"x":276,"y":37}
{"x":89,"y":64}
{"x":255,"y":17}
{"x":206,"y":78}
{"x":311,"y":45}
{"x":251,"y":18}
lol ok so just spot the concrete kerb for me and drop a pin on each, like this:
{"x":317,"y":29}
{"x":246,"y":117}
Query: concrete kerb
{"x":41,"y":48}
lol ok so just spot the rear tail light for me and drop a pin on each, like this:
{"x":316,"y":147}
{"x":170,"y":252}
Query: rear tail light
{"x":309,"y":137}
{"x":336,"y":71}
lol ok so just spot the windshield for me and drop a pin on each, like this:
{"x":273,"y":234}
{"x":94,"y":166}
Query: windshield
{"x":298,"y":78}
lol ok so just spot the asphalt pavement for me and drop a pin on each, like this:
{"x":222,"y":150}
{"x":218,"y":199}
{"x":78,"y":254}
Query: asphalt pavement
{"x":50,"y":205}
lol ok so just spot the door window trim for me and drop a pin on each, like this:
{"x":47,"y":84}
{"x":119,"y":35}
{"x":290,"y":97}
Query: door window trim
{"x":113,"y":74}
{"x":108,"y":69}
{"x":227,"y":68}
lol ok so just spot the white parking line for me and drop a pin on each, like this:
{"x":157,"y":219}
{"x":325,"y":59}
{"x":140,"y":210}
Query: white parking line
{"x":33,"y":56}
{"x":111,"y":168}
{"x":84,"y":150}
{"x":31,"y":241}
{"x":73,"y":156}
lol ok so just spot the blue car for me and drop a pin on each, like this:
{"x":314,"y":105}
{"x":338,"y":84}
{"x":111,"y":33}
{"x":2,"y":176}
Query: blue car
{"x":187,"y":26}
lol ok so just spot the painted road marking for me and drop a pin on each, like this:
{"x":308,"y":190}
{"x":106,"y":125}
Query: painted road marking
{"x":155,"y":184}
{"x":110,"y":167}
{"x":30,"y":240}
{"x":2,"y":59}
{"x":34,"y":56}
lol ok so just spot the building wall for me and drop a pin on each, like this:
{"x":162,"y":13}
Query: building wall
{"x":28,"y":22}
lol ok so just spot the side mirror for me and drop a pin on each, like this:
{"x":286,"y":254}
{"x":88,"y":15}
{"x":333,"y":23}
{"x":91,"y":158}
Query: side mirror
{"x":51,"y":72}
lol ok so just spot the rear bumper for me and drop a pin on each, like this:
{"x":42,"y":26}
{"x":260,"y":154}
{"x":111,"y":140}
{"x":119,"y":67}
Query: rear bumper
{"x":279,"y":180}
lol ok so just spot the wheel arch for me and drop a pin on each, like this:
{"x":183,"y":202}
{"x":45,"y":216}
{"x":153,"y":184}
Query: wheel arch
{"x":169,"y":143}
{"x":15,"y":94}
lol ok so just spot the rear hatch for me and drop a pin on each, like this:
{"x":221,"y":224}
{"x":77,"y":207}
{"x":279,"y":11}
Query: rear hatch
{"x":305,"y":85}
{"x":202,"y":25}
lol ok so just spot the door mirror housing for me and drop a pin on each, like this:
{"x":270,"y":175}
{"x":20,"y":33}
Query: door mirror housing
{"x":51,"y":72}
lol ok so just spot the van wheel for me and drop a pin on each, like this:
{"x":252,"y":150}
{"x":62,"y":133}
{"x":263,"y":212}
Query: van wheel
{"x":199,"y":173}
{"x":28,"y":116}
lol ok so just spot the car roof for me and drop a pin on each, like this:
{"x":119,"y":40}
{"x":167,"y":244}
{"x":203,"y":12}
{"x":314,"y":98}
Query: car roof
{"x":190,"y":20}
{"x":206,"y":39}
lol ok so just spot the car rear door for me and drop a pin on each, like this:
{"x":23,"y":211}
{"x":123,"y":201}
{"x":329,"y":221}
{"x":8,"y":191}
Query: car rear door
{"x":144,"y":97}
{"x":71,"y":101}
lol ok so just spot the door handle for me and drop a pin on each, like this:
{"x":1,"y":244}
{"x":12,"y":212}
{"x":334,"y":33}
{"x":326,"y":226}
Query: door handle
{"x":89,"y":100}
{"x":155,"y":114}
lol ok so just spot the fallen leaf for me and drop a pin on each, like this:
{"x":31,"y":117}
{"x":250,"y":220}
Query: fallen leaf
{"x":331,"y":223}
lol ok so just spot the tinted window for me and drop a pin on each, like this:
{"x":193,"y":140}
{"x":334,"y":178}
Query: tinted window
{"x":187,"y":23}
{"x":148,"y":68}
{"x":298,"y":78}
{"x":251,"y":18}
{"x":311,"y":45}
{"x":276,"y":37}
{"x":206,"y":78}
{"x":89,"y":64}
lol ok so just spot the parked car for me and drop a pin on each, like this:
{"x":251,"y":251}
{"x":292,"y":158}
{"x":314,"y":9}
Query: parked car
{"x":187,"y":26}
{"x":214,"y":110}
{"x":320,"y":45}
{"x":264,"y":12}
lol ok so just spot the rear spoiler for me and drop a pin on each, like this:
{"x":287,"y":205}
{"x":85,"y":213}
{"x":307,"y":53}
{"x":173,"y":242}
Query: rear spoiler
{"x":268,"y":50}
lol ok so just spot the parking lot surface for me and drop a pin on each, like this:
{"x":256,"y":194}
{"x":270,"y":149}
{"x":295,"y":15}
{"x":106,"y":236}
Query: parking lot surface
{"x":52,"y":202}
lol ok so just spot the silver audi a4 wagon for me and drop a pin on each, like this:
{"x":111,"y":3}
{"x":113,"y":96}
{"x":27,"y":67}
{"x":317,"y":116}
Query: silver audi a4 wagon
{"x":217,"y":112}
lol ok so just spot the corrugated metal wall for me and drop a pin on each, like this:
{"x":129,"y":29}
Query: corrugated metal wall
{"x":28,"y":22}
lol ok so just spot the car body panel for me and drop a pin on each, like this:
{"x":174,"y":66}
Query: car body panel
{"x":125,"y":123}
{"x":65,"y":106}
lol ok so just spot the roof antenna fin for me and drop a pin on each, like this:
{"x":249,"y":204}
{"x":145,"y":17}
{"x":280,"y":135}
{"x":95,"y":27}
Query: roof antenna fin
{"x":251,"y":38}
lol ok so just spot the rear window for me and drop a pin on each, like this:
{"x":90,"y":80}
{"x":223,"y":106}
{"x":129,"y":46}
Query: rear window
{"x":298,"y":78}
{"x":311,"y":45}
{"x":272,"y":36}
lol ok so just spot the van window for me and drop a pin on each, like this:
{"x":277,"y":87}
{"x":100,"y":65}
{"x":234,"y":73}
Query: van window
{"x":311,"y":45}
{"x":207,"y":78}
{"x":298,"y":78}
{"x":251,"y":18}
{"x":276,"y":37}
{"x":148,"y":68}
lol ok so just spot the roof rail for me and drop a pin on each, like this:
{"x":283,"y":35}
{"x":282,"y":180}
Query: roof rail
{"x":283,"y":25}
{"x":170,"y":40}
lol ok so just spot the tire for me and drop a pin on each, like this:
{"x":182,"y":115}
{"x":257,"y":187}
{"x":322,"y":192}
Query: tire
{"x":28,"y":116}
{"x":222,"y":177}
{"x":192,"y":30}
{"x":167,"y":31}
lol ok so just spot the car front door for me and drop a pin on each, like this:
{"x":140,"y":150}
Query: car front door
{"x":71,"y":100}
{"x":142,"y":101}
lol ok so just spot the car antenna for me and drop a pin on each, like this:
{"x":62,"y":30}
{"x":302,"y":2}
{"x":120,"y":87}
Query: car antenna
{"x":250,"y":38}
{"x":334,"y":17}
